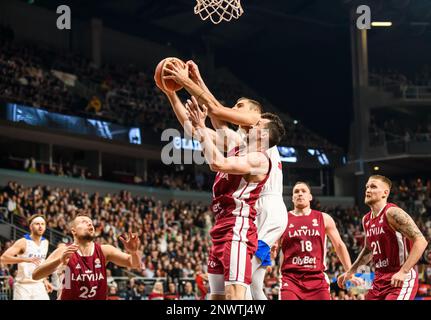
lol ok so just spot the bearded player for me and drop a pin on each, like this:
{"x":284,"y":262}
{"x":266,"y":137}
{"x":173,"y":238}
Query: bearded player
{"x":83,"y":264}
{"x":392,"y":241}
{"x":271,"y":218}
{"x":237,"y":186}
{"x":28,"y":252}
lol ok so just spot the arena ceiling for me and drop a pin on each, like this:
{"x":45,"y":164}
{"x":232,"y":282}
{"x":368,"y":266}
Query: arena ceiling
{"x":162,"y":18}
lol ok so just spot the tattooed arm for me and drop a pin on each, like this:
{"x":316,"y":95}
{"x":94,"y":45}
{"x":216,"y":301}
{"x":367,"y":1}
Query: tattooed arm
{"x":363,"y":259}
{"x":400,"y":221}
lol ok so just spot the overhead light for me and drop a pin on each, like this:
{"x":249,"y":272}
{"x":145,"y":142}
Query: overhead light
{"x":295,"y":121}
{"x":381,"y":24}
{"x":376,"y":168}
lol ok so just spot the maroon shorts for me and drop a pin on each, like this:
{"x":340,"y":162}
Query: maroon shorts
{"x":305,"y":286}
{"x":232,"y":259}
{"x":381,"y":288}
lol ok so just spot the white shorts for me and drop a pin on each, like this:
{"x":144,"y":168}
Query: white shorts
{"x":271,"y":218}
{"x":30,"y":291}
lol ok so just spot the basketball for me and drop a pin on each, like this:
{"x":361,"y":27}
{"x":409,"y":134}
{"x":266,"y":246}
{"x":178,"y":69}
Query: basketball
{"x":169,"y":85}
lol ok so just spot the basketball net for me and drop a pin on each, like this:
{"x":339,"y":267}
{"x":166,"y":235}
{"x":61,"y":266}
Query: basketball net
{"x":218,"y":10}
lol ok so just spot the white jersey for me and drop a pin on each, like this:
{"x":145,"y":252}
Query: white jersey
{"x":25,"y":269}
{"x":274,"y":184}
{"x":271,"y":218}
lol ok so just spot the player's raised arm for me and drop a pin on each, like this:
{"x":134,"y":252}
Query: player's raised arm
{"x":132,"y":259}
{"x":181,"y":114}
{"x":255,"y":163}
{"x":400,"y":221}
{"x":203,"y":96}
{"x":59,"y":256}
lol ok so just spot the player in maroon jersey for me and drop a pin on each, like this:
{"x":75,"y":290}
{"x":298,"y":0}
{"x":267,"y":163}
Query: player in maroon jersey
{"x":83,"y":263}
{"x":303,"y":249}
{"x":394,"y":243}
{"x":237,"y":186}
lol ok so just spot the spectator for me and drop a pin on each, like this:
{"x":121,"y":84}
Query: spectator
{"x":188,"y":293}
{"x":157,"y":293}
{"x":113,"y":294}
{"x":172,"y":293}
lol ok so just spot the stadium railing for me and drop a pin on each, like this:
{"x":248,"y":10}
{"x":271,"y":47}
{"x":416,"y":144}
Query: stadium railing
{"x":17,"y":230}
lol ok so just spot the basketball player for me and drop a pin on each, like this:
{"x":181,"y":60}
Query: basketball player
{"x":271,"y":219}
{"x":28,"y":252}
{"x":83,"y":263}
{"x":240,"y":179}
{"x":392,"y":241}
{"x":303,"y":249}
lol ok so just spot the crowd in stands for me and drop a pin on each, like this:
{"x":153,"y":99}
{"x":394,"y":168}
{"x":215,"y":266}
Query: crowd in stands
{"x":390,"y":76}
{"x":32,"y":165}
{"x":72,"y":84}
{"x":174,"y":236}
{"x":399,"y":130}
{"x":166,"y":177}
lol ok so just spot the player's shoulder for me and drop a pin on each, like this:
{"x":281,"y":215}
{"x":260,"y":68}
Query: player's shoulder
{"x":366,"y":217}
{"x":393,"y":210}
{"x":21,"y":242}
{"x":392,"y":207}
{"x":106,"y":248}
{"x":326,"y":217}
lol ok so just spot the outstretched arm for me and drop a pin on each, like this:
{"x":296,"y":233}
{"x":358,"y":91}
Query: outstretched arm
{"x":181,"y":113}
{"x":400,"y":221}
{"x":58,"y":257}
{"x":204,"y":96}
{"x":254,"y":163}
{"x":132,"y":259}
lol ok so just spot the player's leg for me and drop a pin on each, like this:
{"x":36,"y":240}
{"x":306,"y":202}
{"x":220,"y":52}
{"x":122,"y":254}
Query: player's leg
{"x":237,"y":269}
{"x":217,"y":287}
{"x":39,"y":292}
{"x":21,"y":292}
{"x":271,"y":223}
{"x":235,"y":290}
{"x":408,"y":290}
{"x":257,"y":280}
{"x":216,"y":275}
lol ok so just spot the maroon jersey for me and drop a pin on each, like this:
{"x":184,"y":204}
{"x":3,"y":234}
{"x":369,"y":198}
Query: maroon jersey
{"x":233,"y":205}
{"x":85,"y":277}
{"x":304,"y":244}
{"x":389,"y":247}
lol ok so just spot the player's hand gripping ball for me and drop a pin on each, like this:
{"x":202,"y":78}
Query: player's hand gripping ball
{"x":167,"y":84}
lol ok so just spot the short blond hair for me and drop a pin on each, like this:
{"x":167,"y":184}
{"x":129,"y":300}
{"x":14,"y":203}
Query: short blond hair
{"x":383,"y":179}
{"x":80,"y":214}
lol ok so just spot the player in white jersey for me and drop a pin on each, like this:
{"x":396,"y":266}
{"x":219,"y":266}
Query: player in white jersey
{"x":28,"y":252}
{"x":271,"y":220}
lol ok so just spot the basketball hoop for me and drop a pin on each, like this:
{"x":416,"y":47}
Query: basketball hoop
{"x":218,"y":10}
